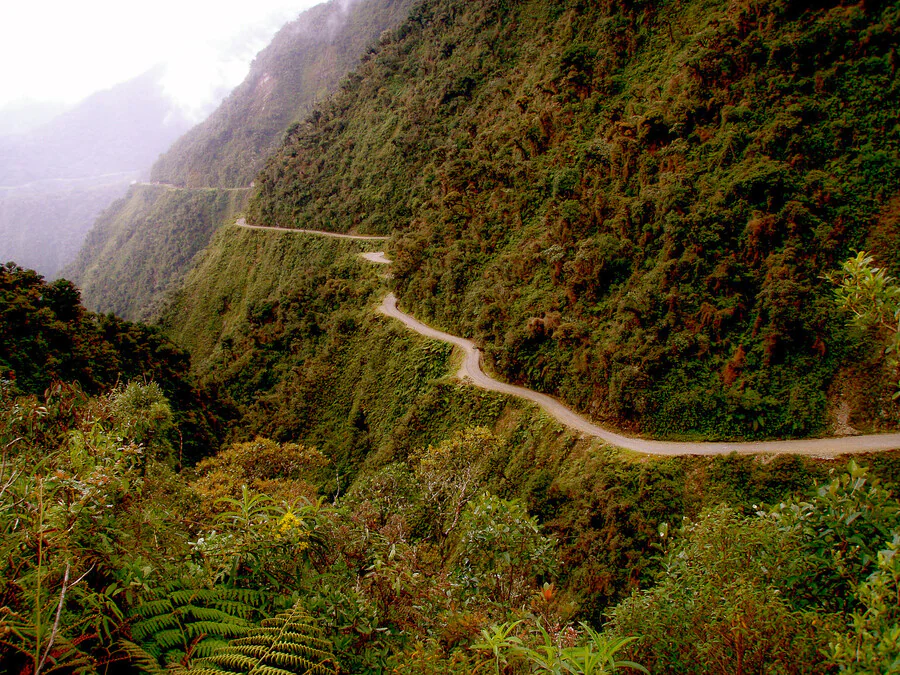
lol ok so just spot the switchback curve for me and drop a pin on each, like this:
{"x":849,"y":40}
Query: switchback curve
{"x":471,"y":371}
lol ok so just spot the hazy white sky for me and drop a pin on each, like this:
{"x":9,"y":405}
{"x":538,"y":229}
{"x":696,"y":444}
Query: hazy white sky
{"x":65,"y":50}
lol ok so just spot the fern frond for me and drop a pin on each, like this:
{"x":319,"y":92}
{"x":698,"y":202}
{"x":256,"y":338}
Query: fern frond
{"x":168,"y":639}
{"x":154,"y":625}
{"x":140,"y":658}
{"x":287,"y":644}
{"x":244,"y":610}
{"x":216,"y":628}
{"x":176,"y":620}
{"x":208,"y":647}
{"x":152,"y":608}
{"x":234,"y":661}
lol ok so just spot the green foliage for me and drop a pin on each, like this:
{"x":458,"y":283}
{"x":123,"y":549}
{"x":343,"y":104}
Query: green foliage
{"x":85,"y":520}
{"x":450,"y":475}
{"x":141,"y":247}
{"x":282,"y":471}
{"x":501,"y":552}
{"x":288,"y":643}
{"x":595,"y":656}
{"x":873,"y":646}
{"x":497,"y":640}
{"x":304,"y":62}
{"x":773,"y":590}
{"x":873,"y":299}
{"x":719,"y":603}
{"x":177,"y":625}
{"x":840,"y":529}
{"x":47,"y":337}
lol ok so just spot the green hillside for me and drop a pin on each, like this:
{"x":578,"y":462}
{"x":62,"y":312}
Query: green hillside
{"x":628,"y":206}
{"x":286,"y":332}
{"x":143,"y":245}
{"x":631,"y":206}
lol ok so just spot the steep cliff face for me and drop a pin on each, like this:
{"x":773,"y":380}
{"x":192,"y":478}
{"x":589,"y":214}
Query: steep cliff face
{"x":304,"y":63}
{"x":144,"y":244}
{"x":629,"y":205}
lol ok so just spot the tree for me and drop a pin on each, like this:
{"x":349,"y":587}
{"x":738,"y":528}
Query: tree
{"x":873,"y":298}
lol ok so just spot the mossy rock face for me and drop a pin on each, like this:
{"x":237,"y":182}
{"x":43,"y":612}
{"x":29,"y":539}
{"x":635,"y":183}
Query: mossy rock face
{"x":631,"y":207}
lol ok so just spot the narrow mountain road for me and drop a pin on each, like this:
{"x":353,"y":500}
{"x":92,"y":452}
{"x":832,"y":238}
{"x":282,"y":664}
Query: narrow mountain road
{"x":171,"y":186}
{"x":241,"y":222}
{"x":471,"y":371}
{"x":376,"y":257}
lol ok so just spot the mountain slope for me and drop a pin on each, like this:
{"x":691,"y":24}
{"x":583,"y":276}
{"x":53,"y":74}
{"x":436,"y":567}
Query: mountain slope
{"x":305,"y":60}
{"x":122,"y":129}
{"x":630,"y":207}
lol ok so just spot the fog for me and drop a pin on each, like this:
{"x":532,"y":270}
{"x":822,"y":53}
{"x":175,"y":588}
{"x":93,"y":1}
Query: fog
{"x":61,"y":52}
{"x":92,"y":92}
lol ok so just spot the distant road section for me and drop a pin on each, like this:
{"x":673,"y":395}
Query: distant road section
{"x":376,"y":257}
{"x":241,"y":222}
{"x":170,"y":186}
{"x":471,"y":370}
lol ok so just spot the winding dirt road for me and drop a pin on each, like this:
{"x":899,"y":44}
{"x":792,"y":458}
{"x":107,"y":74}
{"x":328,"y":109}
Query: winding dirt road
{"x":241,"y":222}
{"x":471,"y":371}
{"x":171,"y":186}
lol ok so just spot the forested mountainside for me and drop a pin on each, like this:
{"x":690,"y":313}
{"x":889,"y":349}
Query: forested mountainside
{"x":304,"y":63}
{"x":286,"y":334}
{"x":136,"y":241}
{"x":142,"y":244}
{"x":631,"y":206}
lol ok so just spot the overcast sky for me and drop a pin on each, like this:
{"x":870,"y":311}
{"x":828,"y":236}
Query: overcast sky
{"x":66,"y":50}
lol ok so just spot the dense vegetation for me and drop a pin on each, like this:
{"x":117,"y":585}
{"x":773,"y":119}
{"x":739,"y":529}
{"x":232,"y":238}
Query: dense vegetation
{"x":111,"y":562}
{"x":287,"y":334}
{"x":574,"y":184}
{"x":628,"y":205}
{"x":49,"y":340}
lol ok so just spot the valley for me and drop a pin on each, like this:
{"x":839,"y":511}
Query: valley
{"x":480,"y":336}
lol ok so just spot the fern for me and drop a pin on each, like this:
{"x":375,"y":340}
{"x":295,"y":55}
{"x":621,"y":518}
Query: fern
{"x":141,"y":658}
{"x":289,"y":644}
{"x":180,"y":624}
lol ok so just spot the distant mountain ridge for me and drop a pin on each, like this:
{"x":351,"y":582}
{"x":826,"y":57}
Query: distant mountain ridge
{"x":120,"y":129}
{"x":56,"y":178}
